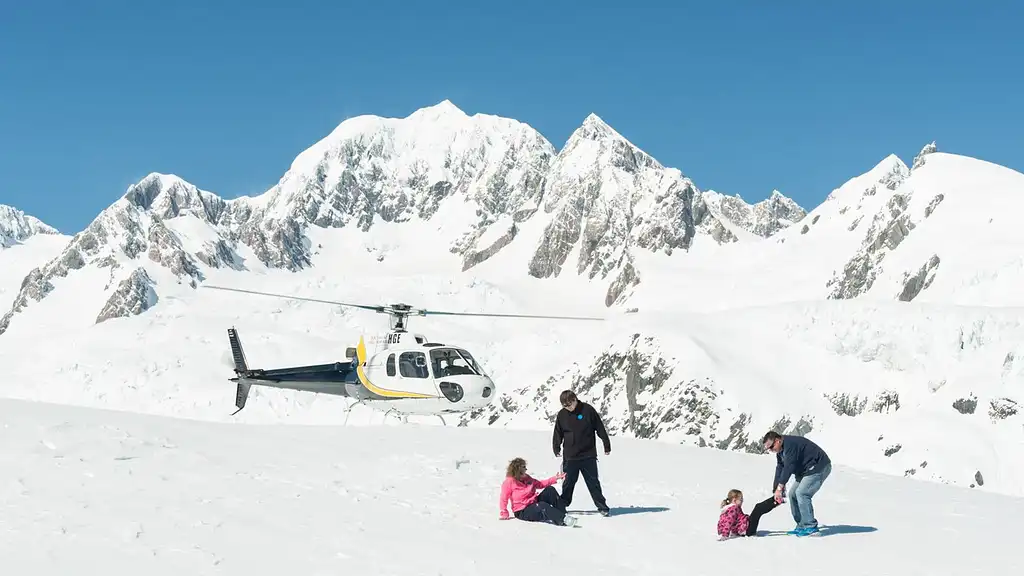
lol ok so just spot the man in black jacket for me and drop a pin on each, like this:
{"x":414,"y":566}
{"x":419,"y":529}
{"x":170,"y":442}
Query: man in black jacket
{"x":809,"y":464}
{"x":575,"y":426}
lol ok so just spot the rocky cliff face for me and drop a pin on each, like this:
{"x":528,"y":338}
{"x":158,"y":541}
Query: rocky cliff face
{"x":604,"y":199}
{"x":16,"y":226}
{"x":131,"y":231}
{"x":762,"y":219}
{"x":657,"y":386}
{"x":374,"y":169}
{"x":888,"y":229}
{"x":643,"y":391}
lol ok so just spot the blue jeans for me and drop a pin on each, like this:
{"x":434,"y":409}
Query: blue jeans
{"x":800,"y":497}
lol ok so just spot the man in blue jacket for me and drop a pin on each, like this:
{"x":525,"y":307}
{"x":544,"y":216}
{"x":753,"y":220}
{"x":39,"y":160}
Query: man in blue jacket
{"x":803,"y":459}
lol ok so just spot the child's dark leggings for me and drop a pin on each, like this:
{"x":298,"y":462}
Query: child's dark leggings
{"x":547,"y":508}
{"x":763,"y":507}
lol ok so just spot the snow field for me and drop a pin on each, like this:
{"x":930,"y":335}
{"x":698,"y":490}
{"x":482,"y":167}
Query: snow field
{"x":129,"y":493}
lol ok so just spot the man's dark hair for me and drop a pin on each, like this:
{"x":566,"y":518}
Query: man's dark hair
{"x":770,"y":436}
{"x":566,"y":397}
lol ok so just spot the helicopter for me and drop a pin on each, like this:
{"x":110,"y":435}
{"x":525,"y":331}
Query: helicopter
{"x":409,"y":376}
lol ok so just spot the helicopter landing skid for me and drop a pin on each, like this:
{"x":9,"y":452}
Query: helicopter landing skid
{"x":404,"y":417}
{"x":348,"y":411}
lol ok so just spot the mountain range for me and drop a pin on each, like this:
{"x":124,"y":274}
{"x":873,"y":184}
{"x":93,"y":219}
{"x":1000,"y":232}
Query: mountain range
{"x":884,"y":321}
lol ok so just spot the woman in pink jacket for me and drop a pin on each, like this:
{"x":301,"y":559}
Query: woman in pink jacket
{"x":519,"y":489}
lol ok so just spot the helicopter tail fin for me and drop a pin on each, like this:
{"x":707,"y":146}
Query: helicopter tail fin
{"x":241,"y":368}
{"x":241,"y":395}
{"x":237,"y":353}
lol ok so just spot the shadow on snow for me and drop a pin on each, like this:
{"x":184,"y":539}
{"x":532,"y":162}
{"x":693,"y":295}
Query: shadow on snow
{"x":827,"y":530}
{"x":622,"y":510}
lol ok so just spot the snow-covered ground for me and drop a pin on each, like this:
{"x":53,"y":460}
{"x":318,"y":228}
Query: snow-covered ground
{"x":119,"y":493}
{"x":799,"y":361}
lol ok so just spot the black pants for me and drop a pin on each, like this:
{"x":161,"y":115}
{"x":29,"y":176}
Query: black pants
{"x":547,"y":508}
{"x":760,"y":509}
{"x":588,"y":467}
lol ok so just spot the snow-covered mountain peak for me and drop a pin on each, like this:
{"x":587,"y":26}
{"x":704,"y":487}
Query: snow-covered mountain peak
{"x":161,"y":227}
{"x":430,"y":133}
{"x":778,"y":198}
{"x":392,"y":169}
{"x":762,"y":219}
{"x":444,"y":110}
{"x":596,"y":145}
{"x":887,"y":174}
{"x":169,"y":196}
{"x":16,"y":226}
{"x":595,"y":128}
{"x":607,"y":201}
{"x":925,"y":151}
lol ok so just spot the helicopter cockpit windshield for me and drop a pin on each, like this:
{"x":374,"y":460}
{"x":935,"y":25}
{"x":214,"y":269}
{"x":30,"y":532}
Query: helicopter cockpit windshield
{"x":453,"y":362}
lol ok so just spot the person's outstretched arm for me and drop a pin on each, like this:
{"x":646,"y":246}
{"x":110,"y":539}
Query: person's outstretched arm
{"x":542,"y":484}
{"x":601,"y":432}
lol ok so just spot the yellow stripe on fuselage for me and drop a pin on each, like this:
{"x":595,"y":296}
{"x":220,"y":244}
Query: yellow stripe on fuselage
{"x":361,"y":359}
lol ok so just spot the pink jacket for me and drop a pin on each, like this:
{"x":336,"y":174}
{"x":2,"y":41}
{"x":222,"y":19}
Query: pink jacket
{"x":522,"y":494}
{"x":732,"y":521}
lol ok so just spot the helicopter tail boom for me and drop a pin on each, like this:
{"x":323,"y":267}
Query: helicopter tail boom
{"x":334,"y":378}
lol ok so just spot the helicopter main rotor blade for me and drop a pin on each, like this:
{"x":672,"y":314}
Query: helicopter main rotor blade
{"x":495,"y":315}
{"x":289,"y":297}
{"x":389,"y":309}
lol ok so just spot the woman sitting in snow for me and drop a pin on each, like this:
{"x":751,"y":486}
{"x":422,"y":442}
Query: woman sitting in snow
{"x":732,"y":522}
{"x":519,"y":488}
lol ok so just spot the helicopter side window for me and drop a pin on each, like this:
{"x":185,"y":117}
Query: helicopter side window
{"x":391,"y":365}
{"x":413,"y":365}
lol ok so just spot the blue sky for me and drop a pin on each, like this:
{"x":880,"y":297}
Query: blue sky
{"x":742,"y":96}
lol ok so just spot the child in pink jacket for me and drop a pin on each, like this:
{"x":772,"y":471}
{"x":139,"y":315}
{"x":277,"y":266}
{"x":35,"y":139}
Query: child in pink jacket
{"x":732,"y":522}
{"x":519,"y":489}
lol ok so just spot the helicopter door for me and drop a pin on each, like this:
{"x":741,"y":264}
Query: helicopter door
{"x":414,"y":374}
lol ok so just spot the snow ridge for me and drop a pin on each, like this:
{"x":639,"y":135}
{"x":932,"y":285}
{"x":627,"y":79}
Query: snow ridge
{"x":481,"y":178}
{"x":16,"y":226}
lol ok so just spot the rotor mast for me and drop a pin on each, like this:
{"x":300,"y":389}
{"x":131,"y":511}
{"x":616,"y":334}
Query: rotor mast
{"x":399,"y":315}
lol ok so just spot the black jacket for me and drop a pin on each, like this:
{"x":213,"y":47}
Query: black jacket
{"x":799,"y":457}
{"x":575,"y":431}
